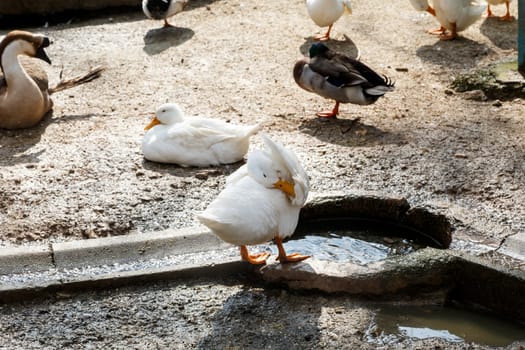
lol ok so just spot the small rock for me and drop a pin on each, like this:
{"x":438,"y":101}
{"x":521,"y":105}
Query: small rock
{"x":449,"y":92}
{"x":202,"y":175}
{"x":475,"y":95}
{"x":497,"y":103}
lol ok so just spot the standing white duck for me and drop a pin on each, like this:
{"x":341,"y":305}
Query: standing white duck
{"x":24,"y":91}
{"x":261,"y":201}
{"x":163,"y":9}
{"x":453,"y":15}
{"x":326,"y":12}
{"x":194,"y":141}
{"x":507,"y":16}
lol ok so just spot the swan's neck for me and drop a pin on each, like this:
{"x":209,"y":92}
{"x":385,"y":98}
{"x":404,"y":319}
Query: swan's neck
{"x":15,"y":76}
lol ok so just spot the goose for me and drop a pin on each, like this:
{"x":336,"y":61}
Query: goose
{"x":507,"y":16}
{"x":340,"y":78}
{"x":260,"y":202}
{"x":326,"y":12}
{"x":172,"y":137}
{"x":24,"y":90}
{"x":453,"y":15}
{"x":163,"y":9}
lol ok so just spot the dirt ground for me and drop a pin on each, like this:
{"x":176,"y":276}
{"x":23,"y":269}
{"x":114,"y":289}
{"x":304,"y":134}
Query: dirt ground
{"x":81,"y":173}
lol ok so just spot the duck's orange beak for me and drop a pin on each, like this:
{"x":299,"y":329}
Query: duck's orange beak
{"x":285,"y":186}
{"x":153,"y":122}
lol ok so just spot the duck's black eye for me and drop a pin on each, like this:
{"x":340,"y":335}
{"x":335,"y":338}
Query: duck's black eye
{"x":264,"y":175}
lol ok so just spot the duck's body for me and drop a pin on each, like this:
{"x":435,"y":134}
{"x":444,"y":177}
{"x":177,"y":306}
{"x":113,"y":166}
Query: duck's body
{"x":24,"y":94}
{"x":194,"y":141}
{"x":163,"y":9}
{"x":325,"y":13}
{"x":423,"y":5}
{"x":453,"y":15}
{"x":507,"y":16}
{"x":261,"y":202}
{"x":338,"y":77}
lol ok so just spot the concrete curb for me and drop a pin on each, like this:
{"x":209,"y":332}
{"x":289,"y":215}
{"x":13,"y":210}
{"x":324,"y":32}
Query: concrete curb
{"x":109,"y":250}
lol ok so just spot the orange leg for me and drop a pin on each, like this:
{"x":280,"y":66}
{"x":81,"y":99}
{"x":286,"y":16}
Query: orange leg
{"x":489,"y":12}
{"x":325,"y":36}
{"x":507,"y":16}
{"x":330,"y":114}
{"x":449,"y":36}
{"x":439,"y":31}
{"x":255,"y":259}
{"x":168,"y":24}
{"x":431,"y":10}
{"x":283,"y":258}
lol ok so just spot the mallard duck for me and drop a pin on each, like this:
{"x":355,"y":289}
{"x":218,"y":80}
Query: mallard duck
{"x":194,"y":141}
{"x":453,"y":15}
{"x":261,"y":201}
{"x":326,"y":12}
{"x":340,"y":78}
{"x":507,"y":16}
{"x":24,"y":91}
{"x":163,"y":9}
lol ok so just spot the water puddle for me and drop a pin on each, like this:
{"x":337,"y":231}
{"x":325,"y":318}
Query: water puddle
{"x":356,"y":241}
{"x":394,"y":323}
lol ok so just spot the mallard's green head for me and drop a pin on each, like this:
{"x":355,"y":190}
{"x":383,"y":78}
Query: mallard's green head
{"x":318,"y":49}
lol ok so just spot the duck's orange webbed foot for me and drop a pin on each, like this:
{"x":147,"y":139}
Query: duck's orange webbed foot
{"x":168,"y":24}
{"x":287,"y":258}
{"x":255,"y":259}
{"x":325,"y":36}
{"x":330,"y":114}
{"x":437,"y":31}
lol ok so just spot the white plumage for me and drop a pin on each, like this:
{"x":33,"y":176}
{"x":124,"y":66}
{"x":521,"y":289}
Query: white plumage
{"x":194,"y":141}
{"x":261,"y":201}
{"x":326,"y":12}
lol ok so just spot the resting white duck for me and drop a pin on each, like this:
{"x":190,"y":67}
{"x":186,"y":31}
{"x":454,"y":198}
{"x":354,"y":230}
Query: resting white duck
{"x":24,"y":90}
{"x":453,"y":15}
{"x":507,"y":16}
{"x":163,"y":9}
{"x":326,"y":12}
{"x":261,"y":201}
{"x":194,"y":141}
{"x":340,"y":78}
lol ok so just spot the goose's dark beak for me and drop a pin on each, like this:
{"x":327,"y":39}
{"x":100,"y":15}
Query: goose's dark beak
{"x":40,"y":53}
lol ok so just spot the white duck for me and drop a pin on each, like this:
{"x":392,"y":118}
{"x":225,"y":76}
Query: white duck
{"x":163,"y":9}
{"x":261,"y":201}
{"x":194,"y":141}
{"x":24,"y":92}
{"x":326,"y":12}
{"x":453,"y":15}
{"x":507,"y":16}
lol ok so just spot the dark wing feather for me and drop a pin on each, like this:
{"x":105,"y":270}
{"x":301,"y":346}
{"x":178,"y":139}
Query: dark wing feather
{"x":342,"y":70}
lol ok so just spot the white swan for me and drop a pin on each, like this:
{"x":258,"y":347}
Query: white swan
{"x":261,"y":201}
{"x":193,"y":141}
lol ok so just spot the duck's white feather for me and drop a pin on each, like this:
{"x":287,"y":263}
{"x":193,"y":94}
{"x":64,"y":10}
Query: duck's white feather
{"x":249,"y":210}
{"x":327,"y":12}
{"x":197,"y":141}
{"x":461,"y":12}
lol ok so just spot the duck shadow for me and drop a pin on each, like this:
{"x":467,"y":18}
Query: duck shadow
{"x":348,"y":132}
{"x":501,"y":33}
{"x":460,"y":52}
{"x":265,"y":318}
{"x":196,"y":172}
{"x":16,"y":144}
{"x":346,"y":46}
{"x":160,"y":39}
